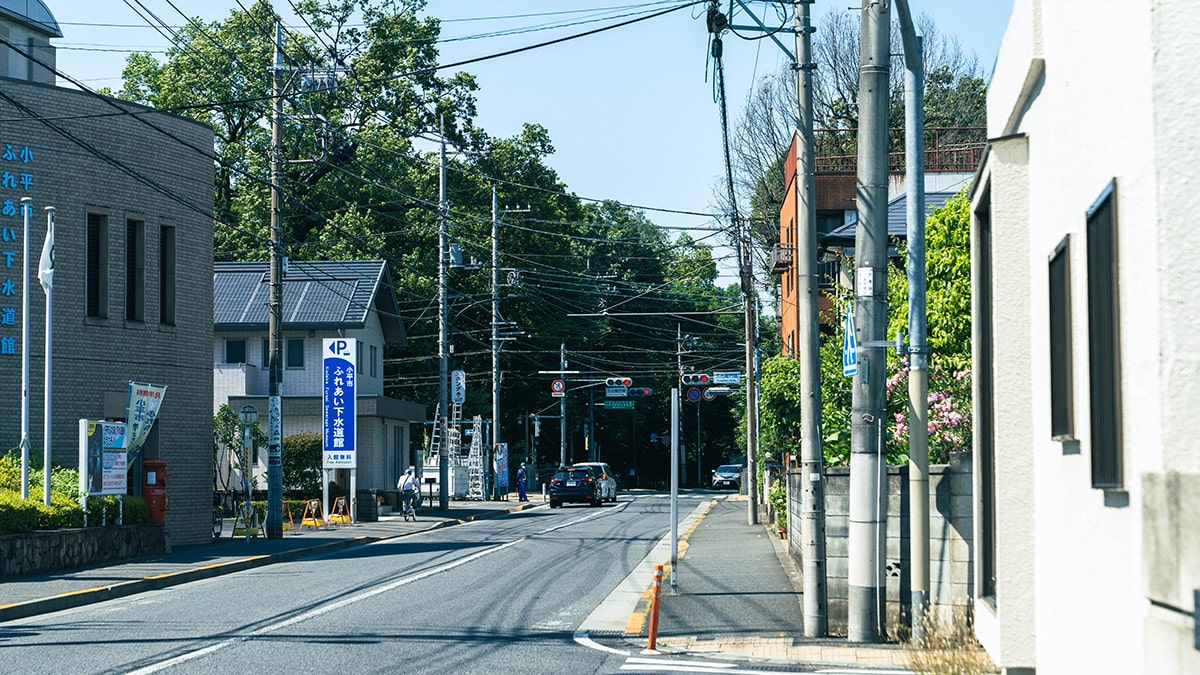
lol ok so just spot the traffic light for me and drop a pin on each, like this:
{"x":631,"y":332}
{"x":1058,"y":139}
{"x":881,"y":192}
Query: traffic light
{"x":641,"y":391}
{"x":618,"y":381}
{"x":695,"y":379}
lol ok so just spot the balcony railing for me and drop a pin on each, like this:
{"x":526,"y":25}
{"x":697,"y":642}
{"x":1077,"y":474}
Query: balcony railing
{"x":781,"y":258}
{"x":947,"y":149}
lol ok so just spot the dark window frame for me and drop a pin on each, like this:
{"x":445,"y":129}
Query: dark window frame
{"x":166,"y":274}
{"x":294,"y":360}
{"x":97,"y":266}
{"x":1062,"y":403}
{"x":135,"y":270}
{"x":1104,"y":345}
{"x":229,"y":355}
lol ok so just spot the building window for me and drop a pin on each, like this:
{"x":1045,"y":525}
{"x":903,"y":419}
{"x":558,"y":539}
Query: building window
{"x":135,"y":270}
{"x":97,"y":266}
{"x":1104,"y":358}
{"x":1062,"y":427}
{"x":358,"y":354}
{"x":235,"y":350}
{"x":166,"y":275}
{"x":295,"y":353}
{"x":985,"y":382}
{"x":374,"y":361}
{"x":266,"y":353}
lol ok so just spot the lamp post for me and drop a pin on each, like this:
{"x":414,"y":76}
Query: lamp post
{"x":248,"y":416}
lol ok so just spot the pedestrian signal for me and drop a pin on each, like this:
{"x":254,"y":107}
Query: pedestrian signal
{"x":692,"y":379}
{"x":618,"y":381}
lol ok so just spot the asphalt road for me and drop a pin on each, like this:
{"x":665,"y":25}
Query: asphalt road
{"x":500,"y":595}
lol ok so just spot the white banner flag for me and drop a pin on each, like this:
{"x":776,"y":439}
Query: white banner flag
{"x":46,"y":266}
{"x":144,"y":400}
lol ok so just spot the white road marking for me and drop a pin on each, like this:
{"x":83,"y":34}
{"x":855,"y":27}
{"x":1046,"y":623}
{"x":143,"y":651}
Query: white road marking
{"x":325,"y":609}
{"x":583,"y":639}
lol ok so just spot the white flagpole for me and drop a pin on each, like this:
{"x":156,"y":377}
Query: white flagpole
{"x":48,"y":285}
{"x":26,"y":210}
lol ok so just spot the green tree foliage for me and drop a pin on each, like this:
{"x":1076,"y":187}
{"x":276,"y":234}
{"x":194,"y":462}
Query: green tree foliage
{"x":302,"y":457}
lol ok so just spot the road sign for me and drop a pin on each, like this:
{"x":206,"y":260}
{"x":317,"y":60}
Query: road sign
{"x":618,"y":404}
{"x":728,"y":377}
{"x":458,"y":386}
{"x":616,"y":392}
{"x":693,"y":394}
{"x":850,"y":345}
{"x":709,"y":394}
{"x":558,"y":388}
{"x":339,"y":417}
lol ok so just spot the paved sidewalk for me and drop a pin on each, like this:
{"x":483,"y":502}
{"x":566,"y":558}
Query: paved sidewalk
{"x":738,"y":595}
{"x":43,"y":593}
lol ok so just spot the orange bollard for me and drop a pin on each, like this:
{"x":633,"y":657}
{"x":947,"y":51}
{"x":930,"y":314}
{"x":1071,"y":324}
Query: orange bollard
{"x":658,"y":575}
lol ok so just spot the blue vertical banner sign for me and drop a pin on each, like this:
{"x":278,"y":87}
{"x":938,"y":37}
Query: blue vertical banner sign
{"x":339,"y":356}
{"x":850,"y":345}
{"x":502,"y":466}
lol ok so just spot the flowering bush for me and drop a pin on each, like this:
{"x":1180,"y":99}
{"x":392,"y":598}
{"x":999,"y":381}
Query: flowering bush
{"x":949,"y":422}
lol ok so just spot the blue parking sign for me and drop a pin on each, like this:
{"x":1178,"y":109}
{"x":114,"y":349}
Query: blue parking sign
{"x":338,"y":403}
{"x":850,"y":345}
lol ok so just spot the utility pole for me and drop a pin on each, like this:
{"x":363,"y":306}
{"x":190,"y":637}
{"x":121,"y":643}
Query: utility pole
{"x":495,"y":322}
{"x":443,"y":334}
{"x":868,"y":466}
{"x":274,"y":523}
{"x":812,"y":453}
{"x":562,"y":411}
{"x":918,"y":350}
{"x":747,"y":261}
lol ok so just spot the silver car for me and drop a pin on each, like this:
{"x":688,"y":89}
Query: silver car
{"x":727,"y":476}
{"x":608,"y":480}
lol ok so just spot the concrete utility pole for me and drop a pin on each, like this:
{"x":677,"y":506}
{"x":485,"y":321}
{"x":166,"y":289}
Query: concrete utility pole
{"x":751,"y":382}
{"x":274,"y":523}
{"x":562,"y":410}
{"x":868,"y":466}
{"x":443,"y":334}
{"x":918,"y":350}
{"x":812,"y":453}
{"x":495,"y":321}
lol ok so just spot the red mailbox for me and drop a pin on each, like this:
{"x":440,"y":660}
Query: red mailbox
{"x":155,"y":489}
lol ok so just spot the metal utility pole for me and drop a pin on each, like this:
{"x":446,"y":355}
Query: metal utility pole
{"x":812,"y":457}
{"x":868,"y":466}
{"x":274,"y":523}
{"x":562,"y":411}
{"x":918,"y":350}
{"x":443,"y":334}
{"x":751,"y":384}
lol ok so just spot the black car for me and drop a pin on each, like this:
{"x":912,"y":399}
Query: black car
{"x":576,"y":484}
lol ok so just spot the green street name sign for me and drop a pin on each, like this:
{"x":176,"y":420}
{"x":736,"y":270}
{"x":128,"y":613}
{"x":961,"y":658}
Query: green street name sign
{"x":618,"y":404}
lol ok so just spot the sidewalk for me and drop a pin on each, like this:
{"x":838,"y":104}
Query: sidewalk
{"x":43,"y":593}
{"x":739,"y":595}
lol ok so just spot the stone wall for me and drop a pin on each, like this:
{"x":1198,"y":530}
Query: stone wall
{"x":951,"y":551}
{"x":49,"y":550}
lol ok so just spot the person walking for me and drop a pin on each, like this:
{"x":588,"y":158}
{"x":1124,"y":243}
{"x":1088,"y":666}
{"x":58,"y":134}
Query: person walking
{"x":522,"y":476}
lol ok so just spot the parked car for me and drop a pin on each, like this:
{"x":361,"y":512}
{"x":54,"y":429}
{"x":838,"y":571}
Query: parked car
{"x":727,"y":476}
{"x":576,"y":484}
{"x":608,"y":479}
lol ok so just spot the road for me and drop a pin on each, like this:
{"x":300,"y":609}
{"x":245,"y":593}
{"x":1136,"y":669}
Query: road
{"x":500,"y":595}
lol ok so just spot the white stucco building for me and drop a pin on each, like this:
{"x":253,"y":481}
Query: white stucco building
{"x":1086,"y":292}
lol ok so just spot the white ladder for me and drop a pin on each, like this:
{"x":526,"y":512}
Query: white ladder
{"x":475,"y":462}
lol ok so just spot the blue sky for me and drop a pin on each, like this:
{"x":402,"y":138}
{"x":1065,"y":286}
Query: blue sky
{"x":630,"y":110}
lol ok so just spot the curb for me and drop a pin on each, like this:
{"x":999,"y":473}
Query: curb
{"x":636,"y":627}
{"x":88,"y":596}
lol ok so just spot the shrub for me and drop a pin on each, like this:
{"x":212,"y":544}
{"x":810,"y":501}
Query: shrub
{"x":106,"y":508}
{"x":16,"y":514}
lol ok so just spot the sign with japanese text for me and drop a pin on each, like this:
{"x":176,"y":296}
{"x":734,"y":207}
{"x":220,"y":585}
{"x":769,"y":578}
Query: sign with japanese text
{"x":16,"y":180}
{"x":103,"y":458}
{"x":140,"y":413}
{"x":502,"y":466}
{"x":338,"y":403}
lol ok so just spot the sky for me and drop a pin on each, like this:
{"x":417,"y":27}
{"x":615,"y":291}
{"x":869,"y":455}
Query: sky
{"x":630,"y":111}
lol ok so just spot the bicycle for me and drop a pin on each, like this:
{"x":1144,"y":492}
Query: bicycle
{"x":409,"y":500}
{"x":218,"y":514}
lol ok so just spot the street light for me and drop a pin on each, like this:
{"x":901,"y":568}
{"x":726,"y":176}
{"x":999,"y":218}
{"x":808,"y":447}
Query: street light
{"x":248,"y":416}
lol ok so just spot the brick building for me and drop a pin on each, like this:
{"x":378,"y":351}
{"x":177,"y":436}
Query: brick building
{"x":133,"y":196}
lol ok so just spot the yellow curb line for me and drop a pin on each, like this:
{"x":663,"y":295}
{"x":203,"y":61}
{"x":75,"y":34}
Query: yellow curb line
{"x":641,"y":614}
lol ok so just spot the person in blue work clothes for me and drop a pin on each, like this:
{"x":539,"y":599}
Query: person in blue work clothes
{"x":521,"y":478}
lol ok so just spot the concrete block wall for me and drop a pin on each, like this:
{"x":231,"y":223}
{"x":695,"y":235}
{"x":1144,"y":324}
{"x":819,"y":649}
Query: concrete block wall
{"x":950,"y":524}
